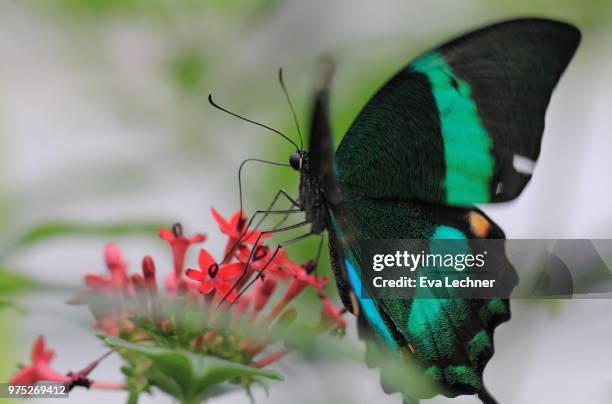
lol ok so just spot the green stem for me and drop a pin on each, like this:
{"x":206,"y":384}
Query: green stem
{"x":193,"y":400}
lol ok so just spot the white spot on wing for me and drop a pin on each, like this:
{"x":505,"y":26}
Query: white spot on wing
{"x":500,"y":188}
{"x":523,"y":164}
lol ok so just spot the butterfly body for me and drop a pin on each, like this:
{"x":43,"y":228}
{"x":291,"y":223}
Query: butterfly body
{"x":445,"y":133}
{"x":311,"y":199}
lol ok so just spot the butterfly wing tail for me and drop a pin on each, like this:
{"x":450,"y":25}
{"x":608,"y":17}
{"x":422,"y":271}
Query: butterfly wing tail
{"x":486,"y":397}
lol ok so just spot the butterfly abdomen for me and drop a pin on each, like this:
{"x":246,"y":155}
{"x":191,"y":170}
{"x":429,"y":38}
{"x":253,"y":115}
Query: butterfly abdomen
{"x":311,"y":198}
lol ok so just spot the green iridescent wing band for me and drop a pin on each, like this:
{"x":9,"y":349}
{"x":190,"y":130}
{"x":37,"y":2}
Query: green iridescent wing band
{"x":462,"y":124}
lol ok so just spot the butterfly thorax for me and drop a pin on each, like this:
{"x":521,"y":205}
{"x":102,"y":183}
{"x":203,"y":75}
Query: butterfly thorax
{"x":311,"y":197}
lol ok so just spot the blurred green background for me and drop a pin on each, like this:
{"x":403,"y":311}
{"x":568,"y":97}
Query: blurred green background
{"x":107,"y":133}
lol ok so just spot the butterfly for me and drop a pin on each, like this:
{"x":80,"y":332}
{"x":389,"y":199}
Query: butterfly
{"x":460,"y":125}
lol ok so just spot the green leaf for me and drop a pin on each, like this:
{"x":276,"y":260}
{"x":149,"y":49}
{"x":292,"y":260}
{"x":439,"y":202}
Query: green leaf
{"x":52,"y":230}
{"x":133,"y":398}
{"x":12,"y":282}
{"x":4,"y":304}
{"x":136,"y":383}
{"x":189,"y":376}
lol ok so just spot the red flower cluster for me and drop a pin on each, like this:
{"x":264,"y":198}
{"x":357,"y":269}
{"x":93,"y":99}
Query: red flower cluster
{"x":106,"y":295}
{"x":247,"y":260}
{"x":243,"y":282}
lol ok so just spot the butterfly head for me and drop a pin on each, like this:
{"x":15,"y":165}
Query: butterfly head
{"x":296,"y":160}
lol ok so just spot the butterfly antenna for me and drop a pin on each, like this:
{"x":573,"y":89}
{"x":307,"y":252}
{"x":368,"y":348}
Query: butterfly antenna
{"x":248,"y":120}
{"x":297,"y":125}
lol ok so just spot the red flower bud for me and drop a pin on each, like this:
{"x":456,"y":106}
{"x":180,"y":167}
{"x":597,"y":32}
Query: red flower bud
{"x":148,"y":270}
{"x":263,"y":291}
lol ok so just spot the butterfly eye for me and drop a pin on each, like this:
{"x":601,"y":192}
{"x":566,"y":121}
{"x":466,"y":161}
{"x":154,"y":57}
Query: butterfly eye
{"x":295,"y":161}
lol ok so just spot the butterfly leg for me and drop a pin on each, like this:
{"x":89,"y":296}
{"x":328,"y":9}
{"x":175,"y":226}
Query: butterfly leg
{"x":278,"y":247}
{"x":284,"y":219}
{"x":319,"y":249}
{"x":242,"y":165}
{"x":266,"y":213}
{"x":281,"y":192}
{"x":294,"y":204}
{"x":254,"y":249}
{"x":247,"y":229}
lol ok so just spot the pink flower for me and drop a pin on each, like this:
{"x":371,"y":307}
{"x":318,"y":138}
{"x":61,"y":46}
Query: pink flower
{"x":113,"y":323}
{"x":262,"y":293}
{"x":261,"y":256}
{"x":117,"y":280}
{"x":214,"y":277}
{"x":332,"y":314}
{"x":114,"y":262}
{"x":302,"y":276}
{"x":236,"y":230}
{"x":179,"y":244}
{"x":39,"y":370}
{"x":107,"y":294}
{"x":284,"y":267}
{"x":148,"y":272}
{"x":235,"y":227}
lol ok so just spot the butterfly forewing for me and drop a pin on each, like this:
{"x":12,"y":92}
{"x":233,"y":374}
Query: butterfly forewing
{"x":454,"y":126}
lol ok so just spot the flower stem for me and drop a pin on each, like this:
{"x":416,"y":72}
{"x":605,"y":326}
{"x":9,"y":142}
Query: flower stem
{"x":108,"y":385}
{"x":192,"y":400}
{"x":270,"y":359}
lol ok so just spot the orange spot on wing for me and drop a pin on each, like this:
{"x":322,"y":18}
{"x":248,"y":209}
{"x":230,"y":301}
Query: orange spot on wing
{"x":479,"y":225}
{"x":406,"y":353}
{"x":354,"y":304}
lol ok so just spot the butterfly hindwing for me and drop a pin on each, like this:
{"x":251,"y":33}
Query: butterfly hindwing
{"x":463,"y":123}
{"x":449,"y":340}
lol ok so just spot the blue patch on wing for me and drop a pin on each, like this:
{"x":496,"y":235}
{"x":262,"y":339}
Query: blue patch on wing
{"x":369,"y":308}
{"x":448,"y":233}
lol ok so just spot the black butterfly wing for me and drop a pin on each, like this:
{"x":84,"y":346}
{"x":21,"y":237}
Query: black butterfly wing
{"x":423,"y":346}
{"x":461,"y":124}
